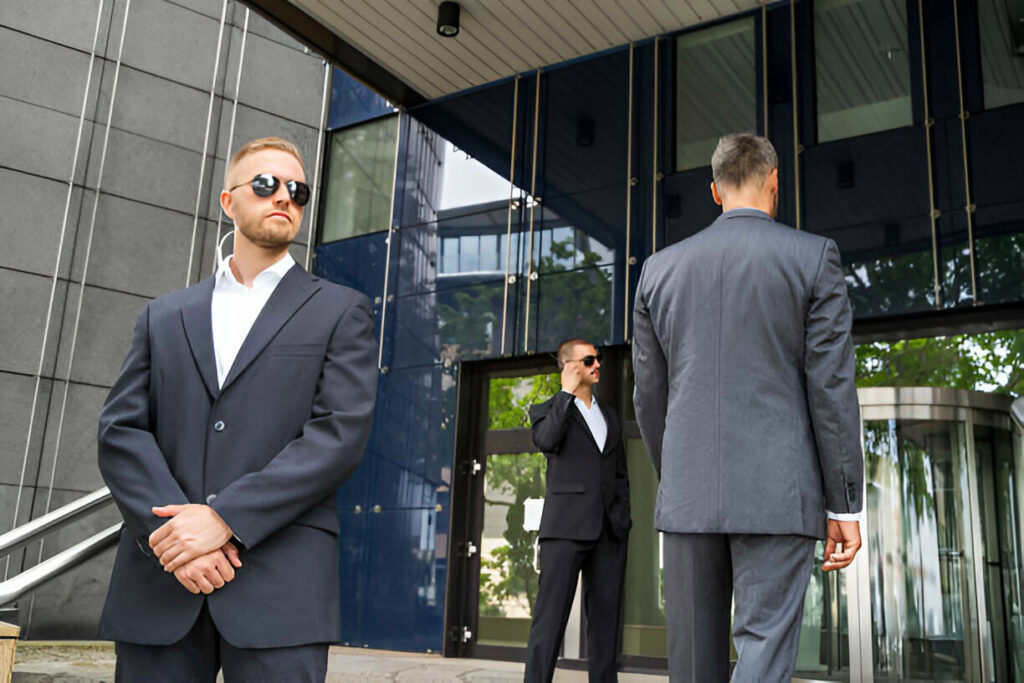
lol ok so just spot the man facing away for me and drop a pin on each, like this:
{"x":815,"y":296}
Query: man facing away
{"x":243,"y":403}
{"x":746,"y":402}
{"x":585,"y":523}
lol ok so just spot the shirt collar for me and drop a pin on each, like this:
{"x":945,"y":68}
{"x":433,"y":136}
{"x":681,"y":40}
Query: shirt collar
{"x":275,"y":273}
{"x":593,"y":401}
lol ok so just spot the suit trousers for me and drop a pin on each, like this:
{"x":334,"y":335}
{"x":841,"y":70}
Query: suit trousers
{"x":769,"y":575}
{"x":198,"y":657}
{"x":603,"y":563}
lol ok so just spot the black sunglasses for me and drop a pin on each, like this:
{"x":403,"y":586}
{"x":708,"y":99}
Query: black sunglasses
{"x":587,"y":360}
{"x":265,"y":185}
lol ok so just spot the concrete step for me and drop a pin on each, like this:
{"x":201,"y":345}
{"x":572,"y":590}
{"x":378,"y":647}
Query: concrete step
{"x":93,"y":662}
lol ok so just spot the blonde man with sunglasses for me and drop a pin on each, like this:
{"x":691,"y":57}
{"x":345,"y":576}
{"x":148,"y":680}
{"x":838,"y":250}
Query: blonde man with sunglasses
{"x":585,"y":523}
{"x":244,"y":402}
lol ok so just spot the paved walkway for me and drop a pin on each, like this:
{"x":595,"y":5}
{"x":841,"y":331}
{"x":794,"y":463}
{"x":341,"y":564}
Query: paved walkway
{"x":93,"y":662}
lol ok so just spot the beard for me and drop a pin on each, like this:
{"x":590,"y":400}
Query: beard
{"x":266,"y":236}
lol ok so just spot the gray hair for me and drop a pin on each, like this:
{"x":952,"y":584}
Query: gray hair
{"x":742,"y":157}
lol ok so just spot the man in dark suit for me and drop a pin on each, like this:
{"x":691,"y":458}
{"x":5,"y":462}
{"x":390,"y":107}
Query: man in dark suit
{"x":745,"y":399}
{"x":244,"y":402}
{"x":585,"y":523}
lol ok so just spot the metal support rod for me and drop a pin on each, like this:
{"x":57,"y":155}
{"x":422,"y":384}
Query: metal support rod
{"x":654,"y":160}
{"x":928,"y":151}
{"x":314,"y":200}
{"x":764,"y":62}
{"x":533,"y":205}
{"x":511,"y":201}
{"x":969,"y":208}
{"x":391,"y":237}
{"x":796,"y":117}
{"x":629,"y":193}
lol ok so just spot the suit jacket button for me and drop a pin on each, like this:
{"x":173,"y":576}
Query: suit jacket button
{"x":210,"y":498}
{"x":218,"y":426}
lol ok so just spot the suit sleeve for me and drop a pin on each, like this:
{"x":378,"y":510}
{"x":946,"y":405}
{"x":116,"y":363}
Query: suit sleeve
{"x":650,"y":377}
{"x":331,"y":444}
{"x":550,"y":421}
{"x":829,"y":369}
{"x":130,"y":460}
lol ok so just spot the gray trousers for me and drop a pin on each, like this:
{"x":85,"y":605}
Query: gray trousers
{"x":769,"y":576}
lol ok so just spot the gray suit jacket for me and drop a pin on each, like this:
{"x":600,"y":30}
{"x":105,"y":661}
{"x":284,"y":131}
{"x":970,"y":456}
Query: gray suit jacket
{"x":744,"y":370}
{"x":267,"y":451}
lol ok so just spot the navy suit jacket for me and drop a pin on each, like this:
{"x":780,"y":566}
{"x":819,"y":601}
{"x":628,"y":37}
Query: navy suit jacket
{"x":267,"y":451}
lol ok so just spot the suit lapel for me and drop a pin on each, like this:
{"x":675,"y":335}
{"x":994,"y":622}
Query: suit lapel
{"x":195,"y":316}
{"x":583,"y":424}
{"x":290,"y":294}
{"x":613,"y":427}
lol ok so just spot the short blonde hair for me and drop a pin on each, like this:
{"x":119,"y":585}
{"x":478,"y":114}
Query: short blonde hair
{"x":261,"y":144}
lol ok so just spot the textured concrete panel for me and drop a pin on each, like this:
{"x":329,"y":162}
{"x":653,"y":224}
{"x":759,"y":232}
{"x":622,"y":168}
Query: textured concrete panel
{"x":69,"y":606}
{"x":16,"y":396}
{"x":30,"y":224}
{"x":253,"y":123}
{"x":211,"y":8}
{"x":263,"y":27}
{"x":25,"y":298}
{"x":75,"y":453}
{"x":104,"y":335}
{"x":136,"y":248}
{"x":148,"y":170}
{"x":157,"y":108}
{"x":276,"y":79}
{"x":38,"y":140}
{"x":48,"y":75}
{"x":76,"y":27}
{"x":8,"y":502}
{"x":185,"y":54}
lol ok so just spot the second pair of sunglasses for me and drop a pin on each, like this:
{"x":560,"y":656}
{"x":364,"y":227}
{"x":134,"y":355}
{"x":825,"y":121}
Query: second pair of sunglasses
{"x":265,"y":185}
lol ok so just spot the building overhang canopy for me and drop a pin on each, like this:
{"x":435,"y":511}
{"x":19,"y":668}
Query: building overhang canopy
{"x":393,"y":45}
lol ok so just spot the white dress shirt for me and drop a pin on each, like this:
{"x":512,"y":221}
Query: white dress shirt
{"x":235,"y":307}
{"x":594,"y":418}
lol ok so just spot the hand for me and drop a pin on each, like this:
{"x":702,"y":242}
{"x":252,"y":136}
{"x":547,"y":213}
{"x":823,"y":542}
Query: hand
{"x":195,"y":530}
{"x":846,"y":533}
{"x":572,"y":377}
{"x":209,"y":572}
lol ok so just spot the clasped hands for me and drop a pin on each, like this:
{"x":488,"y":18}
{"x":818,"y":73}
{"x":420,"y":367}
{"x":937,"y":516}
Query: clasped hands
{"x":194,"y":545}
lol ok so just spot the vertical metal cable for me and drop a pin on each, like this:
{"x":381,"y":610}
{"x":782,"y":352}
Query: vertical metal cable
{"x":56,"y":277}
{"x":969,"y":208}
{"x":511,"y":202}
{"x":655,"y":176}
{"x":231,"y":132}
{"x":928,"y":123}
{"x":764,"y":62}
{"x":534,"y":200}
{"x":796,"y":121}
{"x":206,"y":142}
{"x":629,"y":192}
{"x":391,"y":237}
{"x":319,"y":160}
{"x":81,"y":290}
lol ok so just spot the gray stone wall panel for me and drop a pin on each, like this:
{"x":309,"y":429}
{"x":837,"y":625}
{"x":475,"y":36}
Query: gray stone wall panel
{"x":30,"y":224}
{"x":24,"y":298}
{"x":104,"y":334}
{"x":16,"y":392}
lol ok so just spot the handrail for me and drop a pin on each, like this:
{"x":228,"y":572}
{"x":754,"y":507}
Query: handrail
{"x":31,"y":531}
{"x":14,"y":588}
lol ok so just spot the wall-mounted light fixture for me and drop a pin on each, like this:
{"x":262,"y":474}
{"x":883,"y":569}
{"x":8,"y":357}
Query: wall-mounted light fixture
{"x":448,"y":19}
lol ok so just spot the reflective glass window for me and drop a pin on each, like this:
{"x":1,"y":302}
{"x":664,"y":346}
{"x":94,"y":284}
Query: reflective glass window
{"x":862,"y":66}
{"x":1002,"y":51}
{"x":716,"y":89}
{"x":360,"y":179}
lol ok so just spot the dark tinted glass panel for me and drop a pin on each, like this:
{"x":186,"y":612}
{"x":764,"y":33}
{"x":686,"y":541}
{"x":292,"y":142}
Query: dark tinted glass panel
{"x":360,"y":178}
{"x":352,"y":102}
{"x":583,"y":123}
{"x":1002,"y":51}
{"x":862,"y":67}
{"x":716,"y":89}
{"x":870,"y":194}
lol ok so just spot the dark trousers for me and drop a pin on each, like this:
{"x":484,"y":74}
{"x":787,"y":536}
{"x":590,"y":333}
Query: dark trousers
{"x":769,"y":575}
{"x":603,"y":564}
{"x":198,"y":656}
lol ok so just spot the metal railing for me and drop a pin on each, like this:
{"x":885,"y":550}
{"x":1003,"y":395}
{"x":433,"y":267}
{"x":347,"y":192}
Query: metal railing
{"x":15,"y":587}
